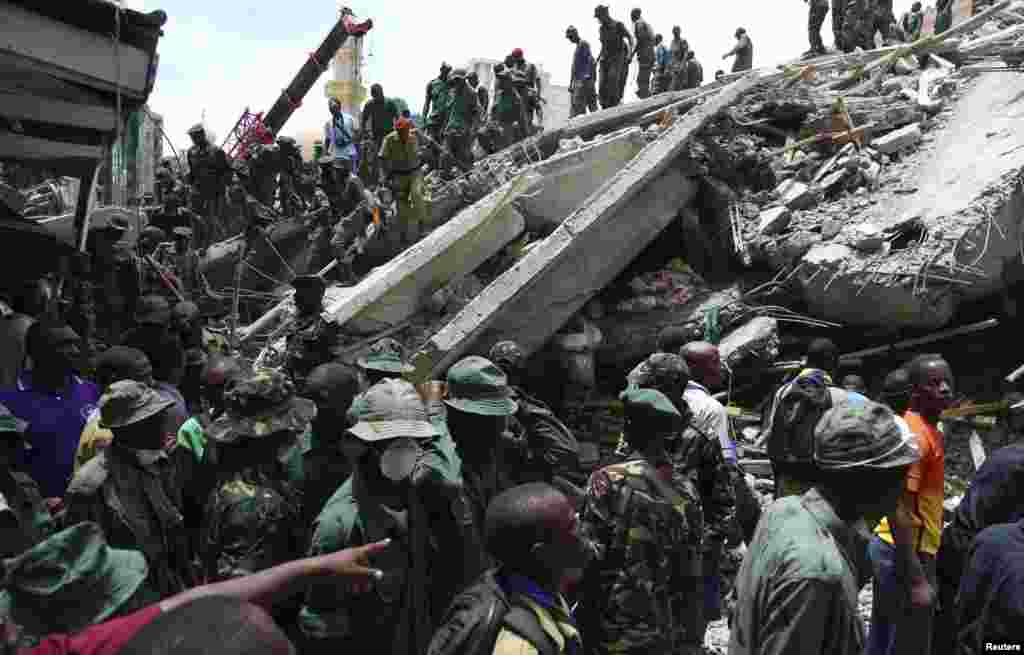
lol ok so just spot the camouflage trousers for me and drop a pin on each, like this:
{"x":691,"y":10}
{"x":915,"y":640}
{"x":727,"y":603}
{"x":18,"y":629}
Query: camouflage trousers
{"x":838,"y":12}
{"x":857,"y":21}
{"x":613,"y":80}
{"x":815,"y":19}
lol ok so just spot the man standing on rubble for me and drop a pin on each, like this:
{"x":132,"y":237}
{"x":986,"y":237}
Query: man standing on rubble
{"x":377,"y":121}
{"x":209,"y":174}
{"x":644,"y":54}
{"x":529,"y":87}
{"x":616,"y":51}
{"x":662,"y":65}
{"x":400,"y":168}
{"x":435,"y":106}
{"x":463,"y":110}
{"x":744,"y":51}
{"x":340,"y":138}
{"x":677,"y":52}
{"x":912,"y":22}
{"x":817,"y":10}
{"x":581,"y":78}
{"x":880,"y":19}
{"x":856,"y":23}
{"x":694,"y":71}
{"x":906,"y":542}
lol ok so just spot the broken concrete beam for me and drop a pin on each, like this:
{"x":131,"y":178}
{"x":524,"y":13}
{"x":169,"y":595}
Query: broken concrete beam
{"x":752,"y":345}
{"x":586,"y":252}
{"x":393,"y":292}
{"x":590,"y":125}
{"x":905,"y":137}
{"x":833,"y":179}
{"x":566,"y":180}
{"x":774,"y":220}
{"x":797,"y":195}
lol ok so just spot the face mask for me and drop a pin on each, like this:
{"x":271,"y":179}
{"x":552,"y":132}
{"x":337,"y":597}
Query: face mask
{"x":149,"y":457}
{"x":400,"y":458}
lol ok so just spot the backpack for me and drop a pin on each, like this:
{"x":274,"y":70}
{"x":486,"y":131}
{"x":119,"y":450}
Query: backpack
{"x":798,"y":407}
{"x":476,"y":616}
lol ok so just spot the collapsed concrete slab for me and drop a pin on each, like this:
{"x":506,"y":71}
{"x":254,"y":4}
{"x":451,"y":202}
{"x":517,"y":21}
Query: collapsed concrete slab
{"x":753,"y":344}
{"x":565,"y":180}
{"x":393,"y":292}
{"x":584,"y":254}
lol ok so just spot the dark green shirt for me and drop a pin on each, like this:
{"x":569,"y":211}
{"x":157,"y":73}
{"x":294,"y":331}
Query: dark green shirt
{"x":797,"y":588}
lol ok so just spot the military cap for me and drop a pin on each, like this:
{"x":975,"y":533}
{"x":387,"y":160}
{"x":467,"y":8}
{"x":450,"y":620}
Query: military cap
{"x":10,"y":423}
{"x":153,"y":310}
{"x":197,"y":129}
{"x":259,"y":406}
{"x":506,"y":354}
{"x":309,"y":281}
{"x":182,"y":232}
{"x":128,"y":402}
{"x":386,"y":355}
{"x":860,"y":434}
{"x":70,"y":581}
{"x":477,"y":386}
{"x":642,"y":404}
{"x":392,"y":409}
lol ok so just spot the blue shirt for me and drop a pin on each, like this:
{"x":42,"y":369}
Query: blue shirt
{"x":55,"y":426}
{"x":340,"y":137}
{"x":582,"y":63}
{"x":662,"y":56}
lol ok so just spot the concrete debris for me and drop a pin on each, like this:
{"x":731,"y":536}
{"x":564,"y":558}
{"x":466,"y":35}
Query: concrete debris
{"x":797,"y":195}
{"x":774,"y":220}
{"x":898,"y":140}
{"x":751,"y":346}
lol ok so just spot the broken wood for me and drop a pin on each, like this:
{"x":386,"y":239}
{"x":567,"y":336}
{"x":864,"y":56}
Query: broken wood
{"x":581,"y":231}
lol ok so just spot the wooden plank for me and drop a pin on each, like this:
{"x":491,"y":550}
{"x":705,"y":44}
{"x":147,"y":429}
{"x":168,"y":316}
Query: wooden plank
{"x":22,"y":106}
{"x":604,"y":205}
{"x":76,"y":51}
{"x":17,"y":146}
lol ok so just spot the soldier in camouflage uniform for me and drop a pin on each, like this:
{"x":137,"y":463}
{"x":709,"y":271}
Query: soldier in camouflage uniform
{"x":546,"y":448}
{"x":254,"y":514}
{"x":642,"y":593}
{"x":312,"y":339}
{"x":385,"y":448}
{"x":384,"y":360}
{"x":24,"y":517}
{"x":697,"y":460}
{"x":857,"y":21}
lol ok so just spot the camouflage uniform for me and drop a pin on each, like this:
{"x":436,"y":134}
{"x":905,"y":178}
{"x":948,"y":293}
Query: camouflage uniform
{"x":857,"y":20}
{"x":881,"y":20}
{"x":254,"y":513}
{"x":312,"y":341}
{"x":642,"y":593}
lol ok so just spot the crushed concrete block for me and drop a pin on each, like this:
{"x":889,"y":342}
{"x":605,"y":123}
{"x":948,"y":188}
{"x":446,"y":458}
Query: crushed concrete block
{"x":830,"y":227}
{"x":797,"y":195}
{"x":774,"y":220}
{"x":897,"y":140}
{"x":868,"y":237}
{"x":833,"y":179}
{"x":755,"y":342}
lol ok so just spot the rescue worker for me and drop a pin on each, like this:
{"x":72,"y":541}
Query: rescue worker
{"x":153,"y":277}
{"x":616,"y":50}
{"x":662,"y":65}
{"x":385,"y":359}
{"x":694,"y":71}
{"x":677,"y":53}
{"x":857,"y":21}
{"x":880,"y":19}
{"x":838,"y":16}
{"x":911,"y":23}
{"x":26,"y":519}
{"x":698,"y":464}
{"x":463,"y":110}
{"x":209,"y":174}
{"x":435,"y":106}
{"x":548,"y":446}
{"x":743,"y":50}
{"x":943,"y":15}
{"x":400,"y":166}
{"x":340,"y":145}
{"x":385,"y":448}
{"x":482,"y":95}
{"x":581,"y":78}
{"x":108,"y":264}
{"x":528,"y":84}
{"x":644,"y":54}
{"x":332,"y":387}
{"x":254,"y":513}
{"x":377,"y":121}
{"x":816,"y":12}
{"x":183,"y":263}
{"x":641,"y":592}
{"x":312,"y":340}
{"x":135,"y":472}
{"x":508,"y":110}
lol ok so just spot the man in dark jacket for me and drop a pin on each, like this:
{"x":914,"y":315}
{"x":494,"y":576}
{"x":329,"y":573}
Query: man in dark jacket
{"x":581,"y":78}
{"x":644,"y":54}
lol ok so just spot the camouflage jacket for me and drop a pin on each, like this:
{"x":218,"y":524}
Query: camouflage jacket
{"x":697,"y":457}
{"x":643,"y":591}
{"x":548,"y":446}
{"x":312,"y":341}
{"x":208,"y":169}
{"x":253,"y":522}
{"x":32,"y":521}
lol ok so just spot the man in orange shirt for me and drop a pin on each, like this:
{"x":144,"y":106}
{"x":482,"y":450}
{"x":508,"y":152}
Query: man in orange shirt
{"x":903,"y":550}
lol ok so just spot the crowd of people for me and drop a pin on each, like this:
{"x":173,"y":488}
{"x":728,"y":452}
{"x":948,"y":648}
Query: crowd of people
{"x":855,"y":23}
{"x":178,"y":497}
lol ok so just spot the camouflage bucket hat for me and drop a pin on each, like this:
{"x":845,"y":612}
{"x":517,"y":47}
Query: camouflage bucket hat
{"x":128,"y":402}
{"x":859,"y":433}
{"x":477,"y":386}
{"x":391,"y":409}
{"x":70,"y":581}
{"x":259,"y":406}
{"x":11,"y":423}
{"x":386,"y":355}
